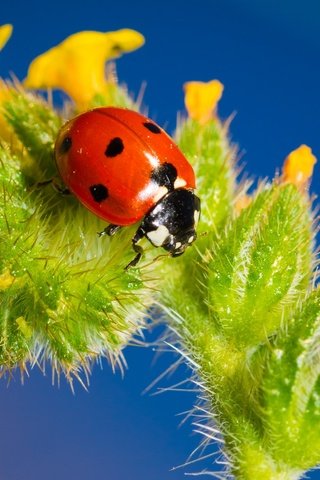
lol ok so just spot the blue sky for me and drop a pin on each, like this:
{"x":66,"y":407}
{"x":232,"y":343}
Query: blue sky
{"x":267,"y":55}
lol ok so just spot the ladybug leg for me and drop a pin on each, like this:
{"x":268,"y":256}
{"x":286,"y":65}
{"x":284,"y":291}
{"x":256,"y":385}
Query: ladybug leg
{"x":140,"y":233}
{"x":60,"y":189}
{"x":43,"y":184}
{"x":56,"y":186}
{"x":135,"y":260}
{"x":110,"y":230}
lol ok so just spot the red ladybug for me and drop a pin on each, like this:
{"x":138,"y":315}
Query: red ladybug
{"x":125,"y":168}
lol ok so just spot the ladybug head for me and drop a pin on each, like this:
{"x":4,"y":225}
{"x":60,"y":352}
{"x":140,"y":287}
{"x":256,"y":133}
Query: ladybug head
{"x":172,"y":222}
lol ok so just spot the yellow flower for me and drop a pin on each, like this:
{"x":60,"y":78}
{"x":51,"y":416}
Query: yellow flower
{"x":201,"y":99}
{"x":298,"y":166}
{"x":77,"y":65}
{"x":5,"y":34}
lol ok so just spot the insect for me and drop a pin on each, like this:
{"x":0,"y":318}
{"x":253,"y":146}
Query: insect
{"x":125,"y":168}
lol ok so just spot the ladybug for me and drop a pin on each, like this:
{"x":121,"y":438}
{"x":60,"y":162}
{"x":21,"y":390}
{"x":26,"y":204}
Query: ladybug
{"x":125,"y":168}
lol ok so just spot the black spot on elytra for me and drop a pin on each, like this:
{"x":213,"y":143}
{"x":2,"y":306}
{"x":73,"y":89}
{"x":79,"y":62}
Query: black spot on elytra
{"x":99,"y":192}
{"x":152,"y":127}
{"x":65,"y":145}
{"x":165,"y":175}
{"x":114,"y":148}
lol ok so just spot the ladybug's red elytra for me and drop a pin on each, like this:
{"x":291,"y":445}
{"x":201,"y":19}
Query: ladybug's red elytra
{"x":125,"y":168}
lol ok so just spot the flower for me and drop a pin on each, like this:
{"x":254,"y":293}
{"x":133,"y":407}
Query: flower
{"x":5,"y":34}
{"x":298,"y":166}
{"x":201,"y":99}
{"x":77,"y":65}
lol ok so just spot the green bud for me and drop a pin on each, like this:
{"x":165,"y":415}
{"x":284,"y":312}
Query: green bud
{"x":291,"y":389}
{"x":261,"y":265}
{"x":36,"y":125}
{"x":207,"y":149}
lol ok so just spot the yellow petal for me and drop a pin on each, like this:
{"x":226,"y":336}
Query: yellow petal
{"x":298,"y":166}
{"x":77,"y":65}
{"x":5,"y":34}
{"x":201,"y":99}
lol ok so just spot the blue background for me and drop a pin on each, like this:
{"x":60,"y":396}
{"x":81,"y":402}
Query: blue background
{"x":266,"y":53}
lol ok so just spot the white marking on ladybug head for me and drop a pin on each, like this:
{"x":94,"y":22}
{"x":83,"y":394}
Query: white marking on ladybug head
{"x":190,"y":239}
{"x":162,"y":191}
{"x":196,"y":216}
{"x":158,"y":236}
{"x":179,"y":183}
{"x":152,"y":190}
{"x":178,"y":245}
